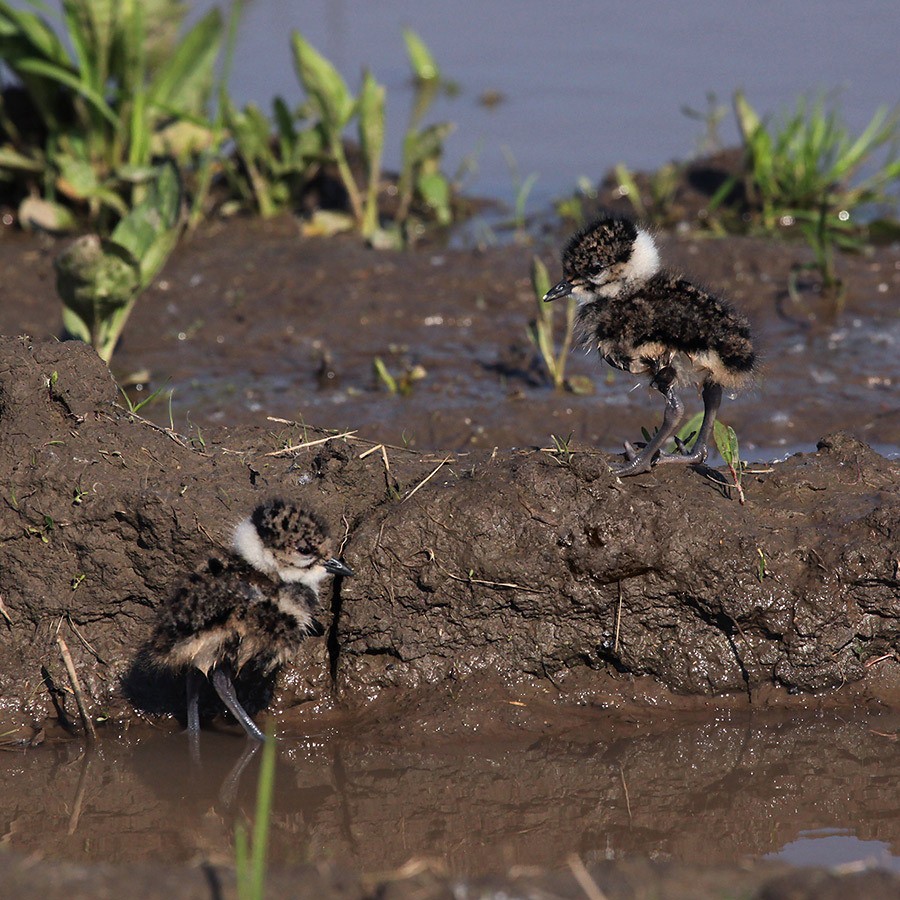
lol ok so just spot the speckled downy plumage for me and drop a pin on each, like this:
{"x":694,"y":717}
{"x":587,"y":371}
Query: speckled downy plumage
{"x":253,"y":608}
{"x":648,"y":321}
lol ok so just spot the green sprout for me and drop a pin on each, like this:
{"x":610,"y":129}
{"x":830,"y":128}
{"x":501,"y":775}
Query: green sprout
{"x":726,"y":443}
{"x":251,"y":852}
{"x":540,"y":333}
{"x":403,"y":383}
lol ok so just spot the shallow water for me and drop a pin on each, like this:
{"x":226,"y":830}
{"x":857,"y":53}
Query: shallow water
{"x":807,"y":789}
{"x":586,"y":85}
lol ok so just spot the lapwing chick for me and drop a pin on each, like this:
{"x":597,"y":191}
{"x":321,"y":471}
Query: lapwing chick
{"x":648,"y":321}
{"x":250,"y":611}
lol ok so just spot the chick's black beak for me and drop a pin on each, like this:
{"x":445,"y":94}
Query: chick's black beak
{"x":336,"y":567}
{"x":563,"y":289}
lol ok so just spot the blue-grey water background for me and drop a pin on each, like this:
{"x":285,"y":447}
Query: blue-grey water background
{"x":585,"y":84}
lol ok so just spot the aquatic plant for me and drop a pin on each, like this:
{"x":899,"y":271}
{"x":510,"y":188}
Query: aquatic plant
{"x":250,"y":853}
{"x":270,"y":170}
{"x":804,"y":171}
{"x":128,"y":92}
{"x":333,"y":107}
{"x":540,"y":329}
{"x":99,"y":280}
{"x":807,"y":163}
{"x":420,"y":172}
{"x":662,"y":186}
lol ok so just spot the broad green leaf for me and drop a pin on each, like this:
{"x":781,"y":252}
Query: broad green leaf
{"x":34,"y":212}
{"x":371,"y":123}
{"x":77,"y":177}
{"x":435,"y":191}
{"x":325,"y":86}
{"x":420,"y":58}
{"x":93,"y":279}
{"x":371,"y":142}
{"x":150,"y":230}
{"x":727,"y":444}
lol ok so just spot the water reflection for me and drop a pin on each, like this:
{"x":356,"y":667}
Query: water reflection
{"x":839,"y":848}
{"x":714,"y":792}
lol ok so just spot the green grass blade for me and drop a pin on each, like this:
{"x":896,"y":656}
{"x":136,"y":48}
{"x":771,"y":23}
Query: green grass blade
{"x":875,"y":134}
{"x":185,"y":82}
{"x":24,"y":35}
{"x":263,"y":819}
{"x":64,"y":76}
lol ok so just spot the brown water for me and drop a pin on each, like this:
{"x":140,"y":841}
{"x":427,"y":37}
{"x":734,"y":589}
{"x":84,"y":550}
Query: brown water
{"x":815,"y":789}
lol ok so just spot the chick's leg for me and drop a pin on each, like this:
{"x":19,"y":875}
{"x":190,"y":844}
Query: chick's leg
{"x":224,"y":686}
{"x":674,"y":413}
{"x":712,"y":398}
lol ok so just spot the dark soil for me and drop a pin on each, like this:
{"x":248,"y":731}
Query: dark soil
{"x":528,"y":587}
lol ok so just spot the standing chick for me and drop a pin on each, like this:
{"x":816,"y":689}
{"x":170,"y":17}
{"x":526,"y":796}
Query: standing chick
{"x":648,"y":321}
{"x":252,"y":610}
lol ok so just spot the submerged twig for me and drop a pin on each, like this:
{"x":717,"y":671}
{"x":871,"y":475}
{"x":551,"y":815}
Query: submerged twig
{"x":78,"y":803}
{"x":89,"y":732}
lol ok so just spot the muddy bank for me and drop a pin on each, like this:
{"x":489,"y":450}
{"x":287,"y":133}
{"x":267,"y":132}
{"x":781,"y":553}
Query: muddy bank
{"x":528,"y":571}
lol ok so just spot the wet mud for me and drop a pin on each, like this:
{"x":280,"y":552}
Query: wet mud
{"x":535,"y":569}
{"x":501,"y":594}
{"x":249,"y":320}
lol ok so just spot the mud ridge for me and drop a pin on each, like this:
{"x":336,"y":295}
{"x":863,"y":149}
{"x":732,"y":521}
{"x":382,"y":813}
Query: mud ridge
{"x":531,"y":568}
